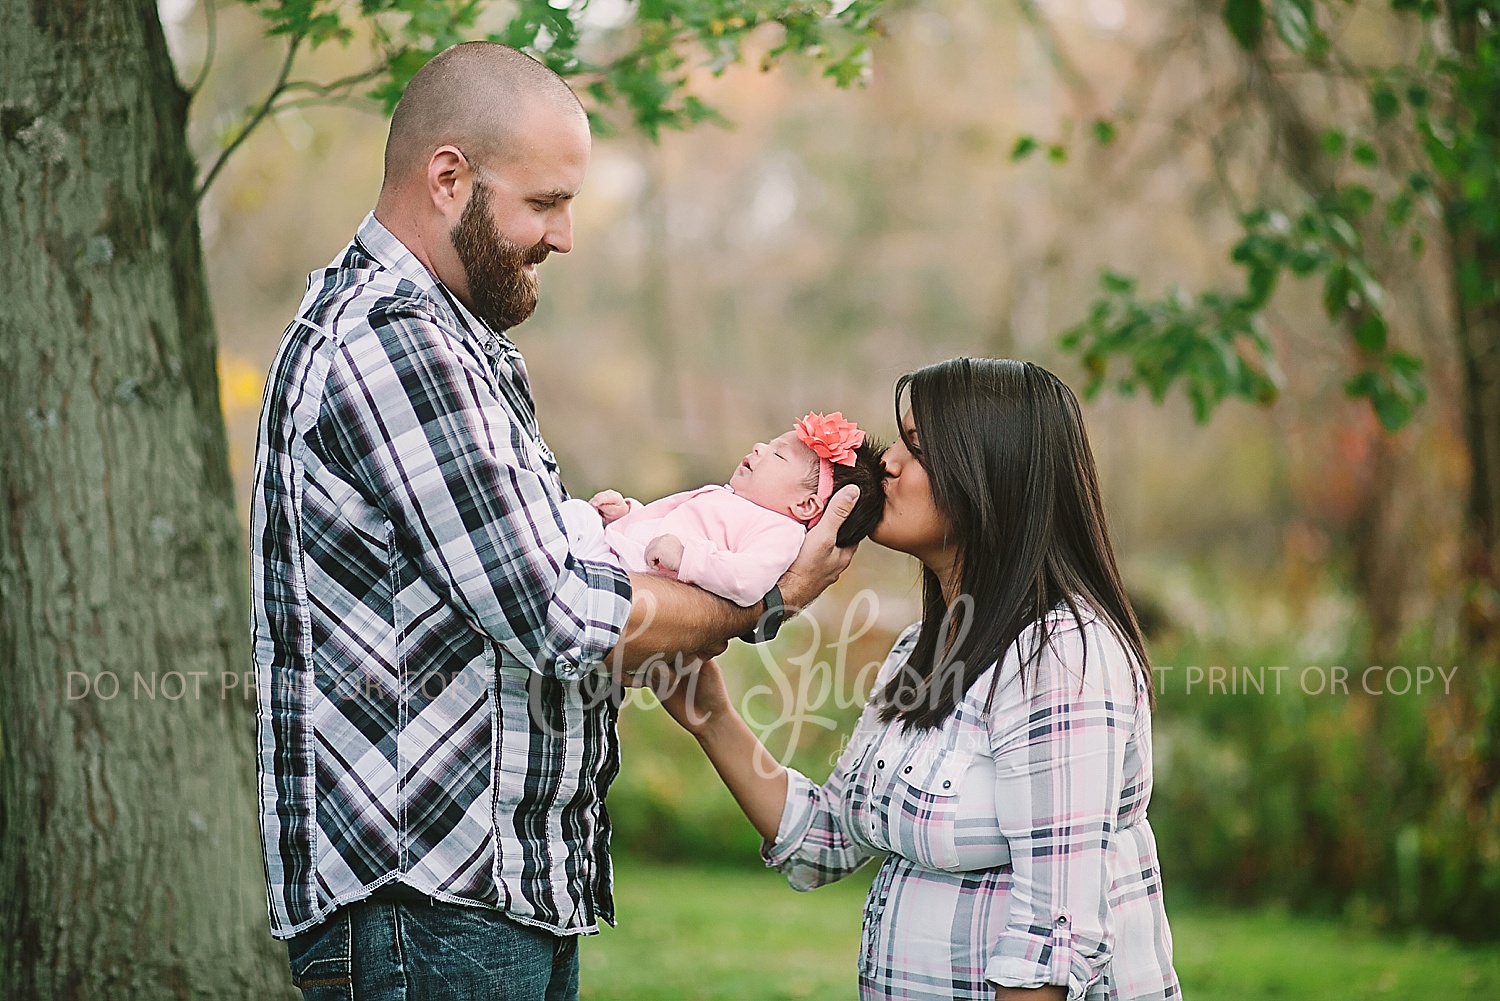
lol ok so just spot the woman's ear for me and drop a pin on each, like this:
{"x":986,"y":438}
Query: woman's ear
{"x":807,"y":508}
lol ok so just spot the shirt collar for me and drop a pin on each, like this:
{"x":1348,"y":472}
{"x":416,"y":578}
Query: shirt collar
{"x":393,"y":255}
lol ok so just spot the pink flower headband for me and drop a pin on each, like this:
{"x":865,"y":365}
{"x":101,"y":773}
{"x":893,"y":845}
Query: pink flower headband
{"x":832,"y":439}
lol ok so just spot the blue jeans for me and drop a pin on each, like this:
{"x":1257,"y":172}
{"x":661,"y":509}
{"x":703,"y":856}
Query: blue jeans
{"x":400,"y":951}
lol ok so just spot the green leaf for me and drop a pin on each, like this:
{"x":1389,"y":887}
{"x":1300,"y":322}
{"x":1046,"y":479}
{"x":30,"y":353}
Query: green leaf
{"x":1393,"y":410}
{"x":1297,"y":25}
{"x":1337,"y":285}
{"x":1370,"y":334}
{"x":1364,"y":154}
{"x":1104,"y":132}
{"x":1333,"y":142}
{"x":1398,"y":210}
{"x":1057,"y":153}
{"x":1246,"y":21}
{"x":1384,"y":102}
{"x":1024,"y":147}
{"x":1357,"y":200}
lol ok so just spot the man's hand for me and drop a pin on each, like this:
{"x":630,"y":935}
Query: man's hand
{"x":610,"y":505}
{"x":664,"y":554}
{"x":820,"y":561}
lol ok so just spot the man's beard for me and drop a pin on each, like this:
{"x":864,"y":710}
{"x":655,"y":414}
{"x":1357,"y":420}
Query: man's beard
{"x":502,"y":289}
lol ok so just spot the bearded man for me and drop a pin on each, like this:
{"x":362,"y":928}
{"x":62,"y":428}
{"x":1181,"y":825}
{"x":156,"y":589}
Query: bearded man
{"x":435,"y":738}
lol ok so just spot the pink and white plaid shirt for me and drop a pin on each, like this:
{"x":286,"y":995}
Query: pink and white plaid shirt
{"x":1017,"y":848}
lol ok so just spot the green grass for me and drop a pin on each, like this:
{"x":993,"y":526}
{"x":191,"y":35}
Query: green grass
{"x":711,"y":934}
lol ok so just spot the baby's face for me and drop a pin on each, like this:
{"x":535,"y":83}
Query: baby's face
{"x":776,"y":474}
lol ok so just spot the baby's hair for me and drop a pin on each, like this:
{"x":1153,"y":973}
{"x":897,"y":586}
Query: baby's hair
{"x":867,"y":473}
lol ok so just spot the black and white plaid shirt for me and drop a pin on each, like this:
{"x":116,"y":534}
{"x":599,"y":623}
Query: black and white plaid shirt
{"x":423,"y":637}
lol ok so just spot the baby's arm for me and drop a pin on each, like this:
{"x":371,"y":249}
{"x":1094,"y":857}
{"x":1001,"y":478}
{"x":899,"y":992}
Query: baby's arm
{"x":746,"y":574}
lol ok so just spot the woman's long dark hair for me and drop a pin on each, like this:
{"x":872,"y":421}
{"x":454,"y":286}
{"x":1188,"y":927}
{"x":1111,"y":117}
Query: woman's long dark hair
{"x":1004,"y":447}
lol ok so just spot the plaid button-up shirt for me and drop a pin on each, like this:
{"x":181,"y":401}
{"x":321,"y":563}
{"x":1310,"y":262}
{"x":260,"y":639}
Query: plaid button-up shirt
{"x":1017,"y":848}
{"x":424,"y":640}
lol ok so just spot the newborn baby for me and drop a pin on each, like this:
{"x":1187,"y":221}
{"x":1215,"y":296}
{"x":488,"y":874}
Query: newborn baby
{"x":737,"y":539}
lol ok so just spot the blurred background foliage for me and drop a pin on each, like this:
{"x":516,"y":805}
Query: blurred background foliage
{"x":811,"y":245}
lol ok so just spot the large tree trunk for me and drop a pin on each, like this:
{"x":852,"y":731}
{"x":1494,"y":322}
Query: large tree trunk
{"x":1478,"y":247}
{"x":129,"y":864}
{"x":1479,"y":340}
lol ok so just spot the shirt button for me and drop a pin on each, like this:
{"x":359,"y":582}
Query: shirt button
{"x":492,"y":348}
{"x":947,"y":784}
{"x":880,"y":763}
{"x":1062,"y":920}
{"x":906,"y":770}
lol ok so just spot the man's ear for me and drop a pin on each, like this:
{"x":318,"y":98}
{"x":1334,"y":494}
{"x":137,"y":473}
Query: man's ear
{"x":807,"y":508}
{"x":449,"y":178}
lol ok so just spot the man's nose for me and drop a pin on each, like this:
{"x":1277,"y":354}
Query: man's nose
{"x":560,"y":233}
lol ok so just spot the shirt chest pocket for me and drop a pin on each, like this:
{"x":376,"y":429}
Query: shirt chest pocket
{"x":923,"y":806}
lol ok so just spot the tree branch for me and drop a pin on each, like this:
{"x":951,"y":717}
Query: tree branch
{"x":322,"y":90}
{"x":260,"y":115}
{"x":211,"y":19}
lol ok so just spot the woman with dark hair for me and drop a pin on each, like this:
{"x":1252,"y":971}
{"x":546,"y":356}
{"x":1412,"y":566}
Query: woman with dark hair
{"x":1003,"y":763}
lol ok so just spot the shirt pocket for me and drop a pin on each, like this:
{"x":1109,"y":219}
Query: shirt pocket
{"x":923,"y":808}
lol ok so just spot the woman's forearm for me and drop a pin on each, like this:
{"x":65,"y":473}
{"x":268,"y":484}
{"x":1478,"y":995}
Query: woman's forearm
{"x":758,"y":783}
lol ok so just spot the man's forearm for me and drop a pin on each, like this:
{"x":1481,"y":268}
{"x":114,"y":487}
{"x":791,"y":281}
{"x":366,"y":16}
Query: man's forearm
{"x":668,"y":617}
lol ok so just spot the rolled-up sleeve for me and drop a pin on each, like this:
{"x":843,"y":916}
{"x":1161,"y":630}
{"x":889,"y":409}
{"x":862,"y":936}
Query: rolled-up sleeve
{"x":811,"y":847}
{"x":1059,"y":760}
{"x":410,"y":416}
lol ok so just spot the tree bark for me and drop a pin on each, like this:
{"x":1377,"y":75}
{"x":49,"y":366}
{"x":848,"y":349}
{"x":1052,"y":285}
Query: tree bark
{"x":1479,"y":344}
{"x":1479,"y":347}
{"x":129,"y":860}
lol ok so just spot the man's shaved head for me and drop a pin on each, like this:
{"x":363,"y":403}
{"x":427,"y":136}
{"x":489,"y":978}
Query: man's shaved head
{"x":472,"y":96}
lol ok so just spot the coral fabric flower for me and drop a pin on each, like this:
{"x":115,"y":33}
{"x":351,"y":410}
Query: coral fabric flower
{"x":830,"y":437}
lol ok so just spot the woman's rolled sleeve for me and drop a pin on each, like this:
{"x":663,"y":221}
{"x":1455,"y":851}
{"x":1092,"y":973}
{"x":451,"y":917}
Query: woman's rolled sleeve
{"x":796,"y":820}
{"x":811,"y":847}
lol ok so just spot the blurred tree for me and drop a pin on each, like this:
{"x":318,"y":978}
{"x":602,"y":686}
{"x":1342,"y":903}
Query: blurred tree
{"x":1433,"y":124}
{"x":1419,"y":163}
{"x":127,"y":817}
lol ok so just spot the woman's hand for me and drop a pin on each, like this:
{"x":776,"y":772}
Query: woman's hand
{"x":696,"y":698}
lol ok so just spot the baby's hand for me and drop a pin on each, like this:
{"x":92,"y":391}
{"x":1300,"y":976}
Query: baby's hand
{"x":610,"y":505}
{"x":664,"y":553}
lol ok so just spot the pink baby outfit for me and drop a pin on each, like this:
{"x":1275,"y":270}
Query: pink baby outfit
{"x":730,"y":546}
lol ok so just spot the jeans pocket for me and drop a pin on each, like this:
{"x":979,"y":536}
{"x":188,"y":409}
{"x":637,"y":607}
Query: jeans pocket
{"x":322,"y":960}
